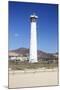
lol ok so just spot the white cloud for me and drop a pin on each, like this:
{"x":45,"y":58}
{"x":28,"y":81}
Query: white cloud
{"x":16,"y":34}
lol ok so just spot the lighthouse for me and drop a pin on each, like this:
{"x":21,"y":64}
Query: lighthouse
{"x":33,"y":39}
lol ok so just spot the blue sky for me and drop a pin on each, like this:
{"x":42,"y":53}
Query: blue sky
{"x":47,"y":25}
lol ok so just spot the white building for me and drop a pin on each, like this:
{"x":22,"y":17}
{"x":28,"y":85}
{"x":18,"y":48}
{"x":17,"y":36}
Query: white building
{"x":33,"y":39}
{"x":17,"y":57}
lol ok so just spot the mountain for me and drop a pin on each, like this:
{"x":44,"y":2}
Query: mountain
{"x":25,"y":51}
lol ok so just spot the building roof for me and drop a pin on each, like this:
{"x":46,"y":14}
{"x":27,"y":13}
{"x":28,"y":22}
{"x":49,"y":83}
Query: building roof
{"x":33,"y":16}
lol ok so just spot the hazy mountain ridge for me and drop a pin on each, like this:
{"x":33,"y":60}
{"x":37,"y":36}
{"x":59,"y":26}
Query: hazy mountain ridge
{"x":25,"y":51}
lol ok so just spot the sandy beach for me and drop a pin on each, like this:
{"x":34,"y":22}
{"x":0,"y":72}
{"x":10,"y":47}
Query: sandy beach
{"x":31,"y":78}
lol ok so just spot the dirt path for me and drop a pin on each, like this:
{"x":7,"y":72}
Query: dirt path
{"x":30,"y":79}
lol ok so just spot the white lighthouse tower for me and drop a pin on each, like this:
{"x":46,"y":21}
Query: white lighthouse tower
{"x":33,"y":39}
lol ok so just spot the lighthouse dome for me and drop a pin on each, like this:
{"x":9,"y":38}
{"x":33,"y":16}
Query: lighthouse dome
{"x":33,"y":17}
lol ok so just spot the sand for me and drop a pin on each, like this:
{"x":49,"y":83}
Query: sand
{"x":31,"y":78}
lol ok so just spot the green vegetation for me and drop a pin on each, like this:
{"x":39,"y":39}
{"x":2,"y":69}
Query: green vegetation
{"x":26,"y":65}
